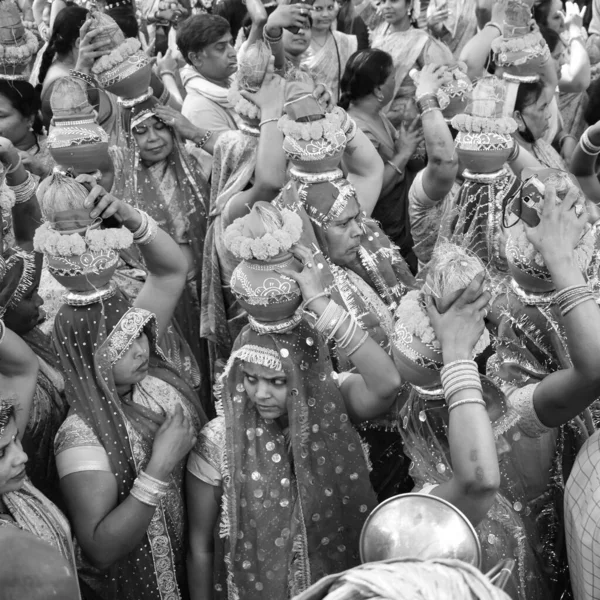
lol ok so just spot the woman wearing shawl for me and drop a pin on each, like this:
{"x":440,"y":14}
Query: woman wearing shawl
{"x":21,"y":504}
{"x":121,"y":451}
{"x":286,"y":422}
{"x":546,"y":363}
{"x":410,"y":48}
{"x":162,"y":179}
{"x":329,"y":50}
{"x":433,"y":431}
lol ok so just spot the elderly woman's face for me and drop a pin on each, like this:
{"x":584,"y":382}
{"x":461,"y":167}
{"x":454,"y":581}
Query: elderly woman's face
{"x":154,"y":140}
{"x":13,"y":125}
{"x":267,"y":390}
{"x":12,"y":459}
{"x":343,"y":235}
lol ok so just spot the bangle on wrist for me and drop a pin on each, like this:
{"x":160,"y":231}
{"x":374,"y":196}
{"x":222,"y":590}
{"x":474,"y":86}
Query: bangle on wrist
{"x":587,"y":146}
{"x":204,"y":139}
{"x":166,"y":72}
{"x":396,"y":168}
{"x":271,"y":120}
{"x":83,"y":76}
{"x":272,"y":39}
{"x":495,"y":26}
{"x":24,"y":191}
{"x":311,"y":299}
{"x":13,"y":168}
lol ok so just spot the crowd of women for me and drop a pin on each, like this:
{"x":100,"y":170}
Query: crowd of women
{"x":265,"y":266}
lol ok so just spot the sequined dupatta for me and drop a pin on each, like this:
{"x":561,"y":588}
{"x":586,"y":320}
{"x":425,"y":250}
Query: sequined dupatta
{"x":33,"y":512}
{"x":294,"y":504}
{"x":89,"y":339}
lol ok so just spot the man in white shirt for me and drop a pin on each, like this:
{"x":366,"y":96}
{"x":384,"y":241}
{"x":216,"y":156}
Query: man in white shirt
{"x":206,"y":44}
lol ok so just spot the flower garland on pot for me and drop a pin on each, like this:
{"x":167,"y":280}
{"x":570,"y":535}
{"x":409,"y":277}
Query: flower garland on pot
{"x":54,"y":243}
{"x":242,"y":244}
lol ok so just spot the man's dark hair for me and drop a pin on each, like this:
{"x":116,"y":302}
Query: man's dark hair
{"x":199,"y":31}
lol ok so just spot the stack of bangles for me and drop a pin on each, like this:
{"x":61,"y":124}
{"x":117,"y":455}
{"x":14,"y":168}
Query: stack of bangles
{"x":330,"y":325}
{"x":458,"y":376}
{"x":570,"y":297}
{"x":149,"y":490}
{"x":26,"y":190}
{"x":427,"y":103}
{"x":147,"y":231}
{"x":272,"y":39}
{"x":587,"y":146}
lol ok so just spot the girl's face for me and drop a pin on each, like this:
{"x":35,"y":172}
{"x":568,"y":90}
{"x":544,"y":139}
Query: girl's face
{"x":558,"y":58}
{"x":323,"y":14}
{"x":394,"y":11}
{"x":12,"y":459}
{"x":13,"y":125}
{"x":267,"y":390}
{"x":154,"y":139}
{"x":132,"y":367}
{"x":555,"y":18}
{"x":536,"y":116}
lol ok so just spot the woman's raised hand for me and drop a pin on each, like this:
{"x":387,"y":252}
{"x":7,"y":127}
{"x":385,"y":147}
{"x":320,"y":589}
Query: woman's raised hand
{"x":309,"y":279}
{"x":173,"y":118}
{"x":459,"y":327}
{"x":289,"y":15}
{"x":430,"y":78}
{"x":172,"y":443}
{"x":271,"y":95}
{"x":104,"y":205}
{"x":573,"y":17}
{"x":561,"y":225}
{"x":90,"y":50}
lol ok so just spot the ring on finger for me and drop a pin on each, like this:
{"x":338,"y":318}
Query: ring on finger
{"x":309,"y":265}
{"x":579,"y":210}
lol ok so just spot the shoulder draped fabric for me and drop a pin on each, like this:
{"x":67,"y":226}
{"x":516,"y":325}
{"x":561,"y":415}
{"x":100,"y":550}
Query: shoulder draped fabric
{"x":326,"y":65}
{"x":86,"y":339}
{"x":33,"y":512}
{"x":502,"y":532}
{"x":531,"y":345}
{"x":294,"y":504}
{"x":233,"y":169}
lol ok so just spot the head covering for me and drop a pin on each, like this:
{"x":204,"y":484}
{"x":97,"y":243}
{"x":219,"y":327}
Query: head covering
{"x":18,"y":45}
{"x":89,"y":339}
{"x":75,"y":139}
{"x":296,"y":514}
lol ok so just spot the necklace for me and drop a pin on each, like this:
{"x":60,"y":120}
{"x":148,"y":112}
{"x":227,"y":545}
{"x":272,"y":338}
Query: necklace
{"x":314,"y":39}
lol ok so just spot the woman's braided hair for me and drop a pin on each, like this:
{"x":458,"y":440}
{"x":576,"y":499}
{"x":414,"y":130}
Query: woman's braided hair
{"x":65,"y":33}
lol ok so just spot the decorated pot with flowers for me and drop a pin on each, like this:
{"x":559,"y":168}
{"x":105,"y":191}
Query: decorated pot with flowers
{"x":125,"y":70}
{"x":17,"y":44}
{"x":75,"y":139}
{"x":455,"y":93}
{"x":84,"y":260}
{"x":314,"y":140}
{"x":484,"y":140}
{"x":263,"y":240}
{"x":416,"y":351}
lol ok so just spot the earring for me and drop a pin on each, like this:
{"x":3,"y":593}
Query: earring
{"x":379,"y":96}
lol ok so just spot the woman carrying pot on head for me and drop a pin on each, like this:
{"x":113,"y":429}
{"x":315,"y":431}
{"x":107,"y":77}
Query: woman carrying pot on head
{"x":120,"y":453}
{"x":286,"y":421}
